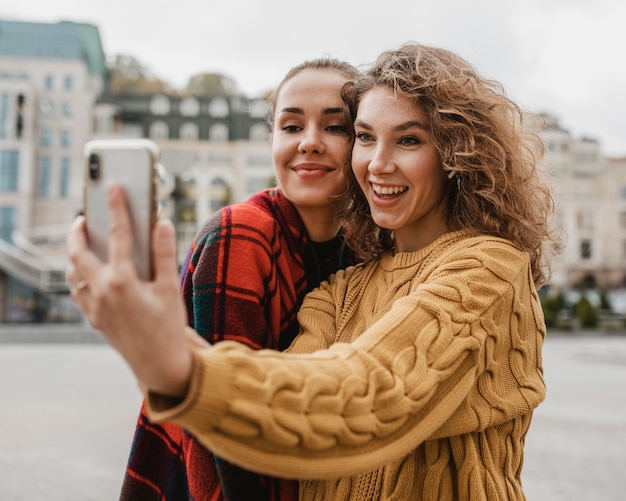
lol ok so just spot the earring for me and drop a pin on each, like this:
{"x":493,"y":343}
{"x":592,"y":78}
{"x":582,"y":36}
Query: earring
{"x":451,"y":175}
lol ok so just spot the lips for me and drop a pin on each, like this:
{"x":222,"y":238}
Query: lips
{"x":311,"y":167}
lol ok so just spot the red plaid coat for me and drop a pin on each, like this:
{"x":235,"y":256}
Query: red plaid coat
{"x":244,"y":279}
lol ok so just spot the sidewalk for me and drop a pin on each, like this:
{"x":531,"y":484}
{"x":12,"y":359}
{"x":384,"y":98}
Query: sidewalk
{"x":69,"y":409}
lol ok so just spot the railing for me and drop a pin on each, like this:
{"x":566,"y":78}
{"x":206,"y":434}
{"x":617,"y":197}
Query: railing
{"x":38,"y":269}
{"x":38,"y":257}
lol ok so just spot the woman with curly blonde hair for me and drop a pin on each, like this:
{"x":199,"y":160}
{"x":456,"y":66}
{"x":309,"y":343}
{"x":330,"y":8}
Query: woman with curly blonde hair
{"x":488,"y":150}
{"x":415,"y":374}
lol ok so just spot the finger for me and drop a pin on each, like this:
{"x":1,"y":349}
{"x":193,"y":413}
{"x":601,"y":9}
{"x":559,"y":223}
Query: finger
{"x":76,"y":236}
{"x":83,"y":262}
{"x":120,"y":230}
{"x":164,"y":252}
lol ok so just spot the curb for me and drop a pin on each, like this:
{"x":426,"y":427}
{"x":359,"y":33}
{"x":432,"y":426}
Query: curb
{"x":49,"y":333}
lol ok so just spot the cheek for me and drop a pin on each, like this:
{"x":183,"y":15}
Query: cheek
{"x":280,"y":150}
{"x":359,"y":163}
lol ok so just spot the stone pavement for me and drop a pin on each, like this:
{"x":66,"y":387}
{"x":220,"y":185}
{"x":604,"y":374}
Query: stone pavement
{"x":69,"y":407}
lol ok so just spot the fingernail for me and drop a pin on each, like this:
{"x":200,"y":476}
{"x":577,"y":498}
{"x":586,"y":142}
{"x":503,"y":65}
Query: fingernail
{"x":166,"y":229}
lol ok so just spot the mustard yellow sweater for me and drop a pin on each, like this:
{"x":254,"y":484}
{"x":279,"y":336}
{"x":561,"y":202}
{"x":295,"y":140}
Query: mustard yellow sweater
{"x":414,"y":378}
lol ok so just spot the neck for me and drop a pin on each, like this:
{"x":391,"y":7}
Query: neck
{"x":321,"y":224}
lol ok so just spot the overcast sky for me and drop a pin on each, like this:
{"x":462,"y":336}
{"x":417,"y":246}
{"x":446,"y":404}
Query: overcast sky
{"x":564,"y":57}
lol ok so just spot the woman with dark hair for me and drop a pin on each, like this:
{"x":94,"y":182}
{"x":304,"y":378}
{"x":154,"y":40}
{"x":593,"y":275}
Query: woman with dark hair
{"x":247,"y":272}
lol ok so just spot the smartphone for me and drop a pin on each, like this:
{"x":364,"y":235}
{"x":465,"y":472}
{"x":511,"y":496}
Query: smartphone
{"x":132,"y":163}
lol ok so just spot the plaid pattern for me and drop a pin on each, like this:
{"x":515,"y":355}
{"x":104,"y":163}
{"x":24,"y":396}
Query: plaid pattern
{"x":244,"y":279}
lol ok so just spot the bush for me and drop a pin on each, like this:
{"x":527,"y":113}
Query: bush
{"x":586,"y":313}
{"x":551,"y":306}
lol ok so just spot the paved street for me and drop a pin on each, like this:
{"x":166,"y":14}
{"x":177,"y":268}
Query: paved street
{"x":68,"y":412}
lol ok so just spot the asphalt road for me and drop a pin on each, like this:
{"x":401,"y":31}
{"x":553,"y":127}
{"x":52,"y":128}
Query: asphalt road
{"x":68,"y":411}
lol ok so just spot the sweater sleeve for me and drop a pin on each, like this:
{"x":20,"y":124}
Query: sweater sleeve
{"x":459,"y":353}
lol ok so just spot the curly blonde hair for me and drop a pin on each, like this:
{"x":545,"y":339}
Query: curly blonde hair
{"x":486,"y":146}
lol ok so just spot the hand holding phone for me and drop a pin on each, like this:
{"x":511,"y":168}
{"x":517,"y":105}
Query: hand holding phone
{"x":133,"y":164}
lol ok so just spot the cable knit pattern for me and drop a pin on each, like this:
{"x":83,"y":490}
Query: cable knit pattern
{"x":414,"y":377}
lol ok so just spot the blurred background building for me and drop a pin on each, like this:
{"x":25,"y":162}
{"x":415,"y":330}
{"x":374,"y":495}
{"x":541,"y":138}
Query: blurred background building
{"x":58,"y":90}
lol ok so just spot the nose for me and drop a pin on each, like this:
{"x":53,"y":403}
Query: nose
{"x":382,"y":161}
{"x":311,"y":142}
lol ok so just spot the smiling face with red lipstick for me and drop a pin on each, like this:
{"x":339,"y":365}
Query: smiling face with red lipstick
{"x":399,"y":169}
{"x":311,"y":146}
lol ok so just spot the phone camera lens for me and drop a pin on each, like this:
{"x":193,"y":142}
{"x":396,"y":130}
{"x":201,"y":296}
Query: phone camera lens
{"x":94,"y":167}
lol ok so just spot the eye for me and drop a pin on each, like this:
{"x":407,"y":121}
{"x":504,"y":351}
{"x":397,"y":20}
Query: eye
{"x":291,"y":128}
{"x":364,"y":137}
{"x":409,"y":141}
{"x":338,"y":128}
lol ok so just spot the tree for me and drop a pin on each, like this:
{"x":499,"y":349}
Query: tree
{"x":128,"y":75}
{"x":212,"y":85}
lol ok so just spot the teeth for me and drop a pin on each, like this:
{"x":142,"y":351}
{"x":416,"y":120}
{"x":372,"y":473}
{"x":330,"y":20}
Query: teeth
{"x":388,"y":190}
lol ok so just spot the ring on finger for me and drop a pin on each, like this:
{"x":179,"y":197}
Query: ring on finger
{"x":80,"y":285}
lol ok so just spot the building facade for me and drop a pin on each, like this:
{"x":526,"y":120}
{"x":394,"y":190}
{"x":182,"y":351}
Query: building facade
{"x":214,"y":150}
{"x":590,"y":195}
{"x":50,"y":78}
{"x":54,"y":97}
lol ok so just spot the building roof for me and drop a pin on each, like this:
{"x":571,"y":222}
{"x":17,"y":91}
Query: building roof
{"x":62,"y":40}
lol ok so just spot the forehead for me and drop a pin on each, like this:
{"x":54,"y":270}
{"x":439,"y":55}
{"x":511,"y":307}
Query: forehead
{"x":382,"y":100}
{"x":312,"y":83}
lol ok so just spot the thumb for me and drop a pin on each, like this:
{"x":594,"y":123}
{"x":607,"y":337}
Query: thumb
{"x":164,"y":251}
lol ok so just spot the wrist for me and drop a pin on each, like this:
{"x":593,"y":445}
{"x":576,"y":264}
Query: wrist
{"x":174,"y":381}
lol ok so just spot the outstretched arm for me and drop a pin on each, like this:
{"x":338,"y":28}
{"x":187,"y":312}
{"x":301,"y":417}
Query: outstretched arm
{"x":144,"y":321}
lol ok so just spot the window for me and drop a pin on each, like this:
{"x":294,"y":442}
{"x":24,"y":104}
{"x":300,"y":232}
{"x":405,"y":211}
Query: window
{"x":7,"y":223}
{"x":46,"y":138}
{"x":260,"y":160}
{"x":43,"y":188}
{"x":584,"y":220}
{"x":219,"y":194}
{"x":67,"y":109}
{"x":9,"y":163}
{"x":64,"y":180}
{"x":19,"y":116}
{"x":132,"y":129}
{"x":259,"y":132}
{"x":160,"y":105}
{"x":259,"y":108}
{"x":189,"y":132}
{"x":68,"y":82}
{"x":218,"y":107}
{"x":218,"y":133}
{"x":66,"y":139}
{"x":585,"y":249}
{"x":159,"y":130}
{"x":48,"y":82}
{"x":219,"y":157}
{"x":254,"y":184}
{"x":46,"y":108}
{"x":189,"y":107}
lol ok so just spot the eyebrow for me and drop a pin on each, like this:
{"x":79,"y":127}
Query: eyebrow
{"x":300,"y":111}
{"x":403,"y":126}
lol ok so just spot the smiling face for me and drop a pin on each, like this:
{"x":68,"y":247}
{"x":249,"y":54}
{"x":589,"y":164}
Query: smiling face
{"x":309,"y":141}
{"x":399,"y":169}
